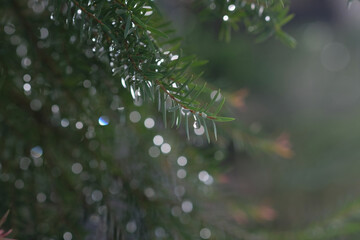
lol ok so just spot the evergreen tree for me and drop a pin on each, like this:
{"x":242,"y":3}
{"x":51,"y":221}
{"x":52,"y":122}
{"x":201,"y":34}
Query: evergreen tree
{"x":83,"y":150}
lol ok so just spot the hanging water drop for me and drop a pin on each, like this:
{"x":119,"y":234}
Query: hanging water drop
{"x":103,"y":120}
{"x":132,"y":91}
{"x":123,"y":82}
{"x":196,"y":125}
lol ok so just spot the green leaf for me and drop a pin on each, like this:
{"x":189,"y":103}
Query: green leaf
{"x":286,"y":38}
{"x":138,"y":21}
{"x":224,"y":119}
{"x":164,"y":110}
{"x":173,"y":118}
{"x":286,"y":20}
{"x":215,"y":130}
{"x":179,"y":117}
{"x":184,"y":85}
{"x":212,"y":100}
{"x":199,"y":63}
{"x":265,"y":36}
{"x":172,"y":41}
{"x":198,"y":93}
{"x":187,"y":125}
{"x":156,"y":32}
{"x":127,"y":26}
{"x":206,"y":129}
{"x":159,"y":98}
{"x":220,"y":106}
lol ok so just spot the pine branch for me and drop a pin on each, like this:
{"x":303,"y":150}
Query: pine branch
{"x":264,"y":18}
{"x":146,"y":69}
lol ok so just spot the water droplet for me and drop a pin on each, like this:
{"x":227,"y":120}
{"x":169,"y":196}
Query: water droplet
{"x":148,"y":13}
{"x":179,"y":191}
{"x":182,"y":161}
{"x":199,"y":131}
{"x":19,"y":184}
{"x":35,"y":105}
{"x":55,"y":108}
{"x":123,"y":82}
{"x":64,"y":122}
{"x":27,"y":78}
{"x":181,"y":173}
{"x":76,"y":168}
{"x":25,"y":163}
{"x":41,"y":197}
{"x":165,"y":148}
{"x":36,"y":152}
{"x":187,"y":206}
{"x":103,"y":120}
{"x":231,"y":7}
{"x":67,"y":236}
{"x":149,"y":123}
{"x":154,"y":151}
{"x":261,"y":10}
{"x":132,"y":91}
{"x":79,"y":125}
{"x":160,"y":232}
{"x":196,"y":125}
{"x":203,"y":176}
{"x":97,"y":195}
{"x":44,"y":33}
{"x":149,"y":192}
{"x":9,"y":29}
{"x":25,"y":62}
{"x":158,"y":140}
{"x":131,"y":227}
{"x":21,"y":50}
{"x":135,"y":116}
{"x":27,"y":87}
{"x":205,"y":233}
{"x":87,"y":83}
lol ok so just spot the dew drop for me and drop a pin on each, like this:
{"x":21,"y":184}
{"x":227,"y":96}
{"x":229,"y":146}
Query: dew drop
{"x":182,"y":161}
{"x":196,"y":125}
{"x":205,"y":233}
{"x":123,"y":82}
{"x":67,"y":236}
{"x":231,"y":7}
{"x":103,"y":120}
{"x":36,"y":152}
{"x":158,"y":140}
{"x":131,"y":227}
{"x":187,"y":206}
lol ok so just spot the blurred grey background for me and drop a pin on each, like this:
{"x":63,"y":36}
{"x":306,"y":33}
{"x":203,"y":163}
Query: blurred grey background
{"x":312,"y":93}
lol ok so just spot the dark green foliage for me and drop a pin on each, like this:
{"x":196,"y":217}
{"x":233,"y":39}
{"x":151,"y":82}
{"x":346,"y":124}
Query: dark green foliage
{"x":71,"y":161}
{"x":261,"y":18}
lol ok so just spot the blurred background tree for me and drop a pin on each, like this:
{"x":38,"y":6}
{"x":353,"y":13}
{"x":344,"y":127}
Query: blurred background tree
{"x":85,"y":153}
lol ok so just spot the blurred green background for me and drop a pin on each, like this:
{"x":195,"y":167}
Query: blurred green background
{"x":311,"y":93}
